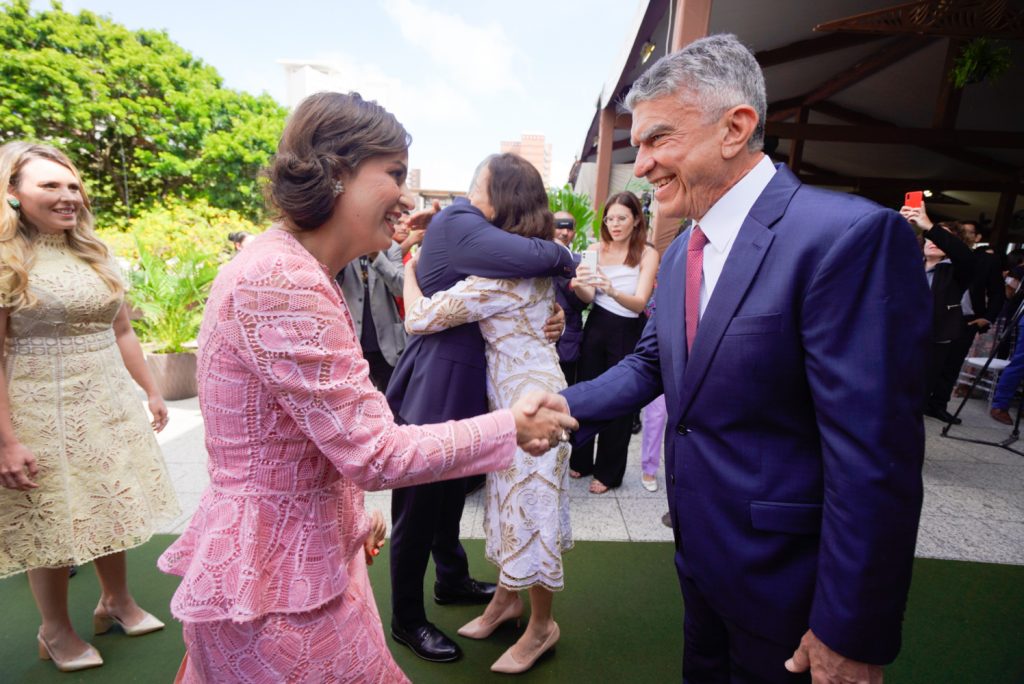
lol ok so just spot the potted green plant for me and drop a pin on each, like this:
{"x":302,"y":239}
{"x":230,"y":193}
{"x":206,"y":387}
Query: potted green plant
{"x":171,"y":294}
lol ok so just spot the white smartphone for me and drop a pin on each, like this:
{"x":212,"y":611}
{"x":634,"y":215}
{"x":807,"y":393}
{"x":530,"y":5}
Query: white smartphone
{"x":589,"y":259}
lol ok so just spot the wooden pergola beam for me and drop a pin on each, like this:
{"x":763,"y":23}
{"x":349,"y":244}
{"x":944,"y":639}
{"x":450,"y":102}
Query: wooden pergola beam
{"x":962,"y":19}
{"x":887,"y":55}
{"x":947,"y":106}
{"x":837,"y":111}
{"x":933,"y":184}
{"x":811,"y":47}
{"x":896,"y":135}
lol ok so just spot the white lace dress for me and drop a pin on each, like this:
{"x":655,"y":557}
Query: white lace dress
{"x":526,"y":519}
{"x":103,"y":485}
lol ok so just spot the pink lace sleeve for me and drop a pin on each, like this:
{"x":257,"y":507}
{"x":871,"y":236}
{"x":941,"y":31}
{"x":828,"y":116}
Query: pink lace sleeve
{"x":294,"y":332}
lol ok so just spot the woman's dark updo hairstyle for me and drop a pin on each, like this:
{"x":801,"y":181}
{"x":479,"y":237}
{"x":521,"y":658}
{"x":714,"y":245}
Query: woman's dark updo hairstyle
{"x":327,"y":135}
{"x":518,"y":197}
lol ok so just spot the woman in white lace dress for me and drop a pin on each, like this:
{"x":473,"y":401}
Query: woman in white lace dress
{"x":526,"y":520}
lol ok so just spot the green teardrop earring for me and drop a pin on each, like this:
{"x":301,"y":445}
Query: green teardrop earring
{"x":15,"y":204}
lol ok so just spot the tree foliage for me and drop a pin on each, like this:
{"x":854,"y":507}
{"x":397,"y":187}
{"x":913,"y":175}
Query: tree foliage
{"x":143,"y":118}
{"x":177,"y":227}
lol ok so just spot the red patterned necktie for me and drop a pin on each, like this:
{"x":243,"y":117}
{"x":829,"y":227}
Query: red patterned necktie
{"x":694,"y":273}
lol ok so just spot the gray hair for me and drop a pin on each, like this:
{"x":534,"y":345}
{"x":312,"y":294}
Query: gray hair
{"x":479,"y":169}
{"x":719,"y":70}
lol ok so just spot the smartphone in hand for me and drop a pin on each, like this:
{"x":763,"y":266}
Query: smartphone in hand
{"x":914,"y":199}
{"x":589,"y":259}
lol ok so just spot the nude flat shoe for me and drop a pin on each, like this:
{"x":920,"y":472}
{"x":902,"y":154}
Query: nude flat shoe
{"x":476,"y":629}
{"x":598,"y":487}
{"x":507,"y":664}
{"x":104,"y":622}
{"x":91,"y":657}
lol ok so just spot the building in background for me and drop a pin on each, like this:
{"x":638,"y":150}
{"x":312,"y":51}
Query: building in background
{"x":532,"y":148}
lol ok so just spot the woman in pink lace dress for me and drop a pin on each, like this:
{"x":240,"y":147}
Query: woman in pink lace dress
{"x":273,"y":564}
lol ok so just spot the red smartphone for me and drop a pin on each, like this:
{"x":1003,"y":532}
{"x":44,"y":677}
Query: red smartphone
{"x":914,"y":199}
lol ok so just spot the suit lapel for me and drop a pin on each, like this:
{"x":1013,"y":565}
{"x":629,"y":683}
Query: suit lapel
{"x":745,"y":258}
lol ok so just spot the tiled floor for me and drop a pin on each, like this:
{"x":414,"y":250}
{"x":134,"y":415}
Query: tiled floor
{"x":973,"y":507}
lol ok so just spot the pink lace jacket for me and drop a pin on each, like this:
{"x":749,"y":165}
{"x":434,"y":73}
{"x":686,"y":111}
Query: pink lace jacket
{"x":295,"y":431}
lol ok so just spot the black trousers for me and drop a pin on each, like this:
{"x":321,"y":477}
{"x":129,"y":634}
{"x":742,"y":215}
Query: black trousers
{"x":380,"y":369}
{"x":569,"y":370}
{"x":425,"y":520}
{"x":607,"y":339}
{"x":936,"y":394}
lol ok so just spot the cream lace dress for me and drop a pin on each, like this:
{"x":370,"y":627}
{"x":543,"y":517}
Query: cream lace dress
{"x":102,"y":480}
{"x":526,"y":518}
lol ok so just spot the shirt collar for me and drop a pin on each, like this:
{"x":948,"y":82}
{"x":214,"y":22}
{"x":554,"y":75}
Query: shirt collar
{"x":724,"y":218}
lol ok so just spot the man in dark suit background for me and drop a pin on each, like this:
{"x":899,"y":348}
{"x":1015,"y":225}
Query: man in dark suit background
{"x":569,"y":342}
{"x":442,"y":377}
{"x":789,"y":337}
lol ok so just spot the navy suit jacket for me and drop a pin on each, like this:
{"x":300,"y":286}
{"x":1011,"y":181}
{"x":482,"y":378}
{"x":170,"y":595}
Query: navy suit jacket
{"x":569,"y":342}
{"x":442,"y":376}
{"x":795,"y":442}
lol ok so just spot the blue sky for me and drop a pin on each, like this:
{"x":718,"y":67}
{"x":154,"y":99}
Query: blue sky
{"x":461,"y":75}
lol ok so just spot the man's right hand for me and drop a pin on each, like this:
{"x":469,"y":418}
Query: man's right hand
{"x":15,"y":460}
{"x":542,"y":421}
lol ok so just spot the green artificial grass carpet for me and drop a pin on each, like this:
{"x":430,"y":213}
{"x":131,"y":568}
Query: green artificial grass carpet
{"x":621,"y":621}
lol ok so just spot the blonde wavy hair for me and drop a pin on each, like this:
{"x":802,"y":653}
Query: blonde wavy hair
{"x":17,"y":236}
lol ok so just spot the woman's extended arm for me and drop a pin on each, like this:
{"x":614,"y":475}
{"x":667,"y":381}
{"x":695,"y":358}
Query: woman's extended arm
{"x":135,"y":362}
{"x":17,"y":464}
{"x":300,"y":346}
{"x":471,"y":299}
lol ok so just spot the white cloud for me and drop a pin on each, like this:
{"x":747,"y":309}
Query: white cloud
{"x":430,"y":102}
{"x":482,"y":58}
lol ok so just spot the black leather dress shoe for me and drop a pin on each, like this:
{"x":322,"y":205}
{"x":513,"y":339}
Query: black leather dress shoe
{"x":470,"y":591}
{"x":943,"y":415}
{"x":428,"y":642}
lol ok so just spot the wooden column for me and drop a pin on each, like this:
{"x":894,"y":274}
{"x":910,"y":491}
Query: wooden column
{"x":796,"y":148}
{"x":691,"y":21}
{"x":605,"y":138}
{"x":1003,"y":221}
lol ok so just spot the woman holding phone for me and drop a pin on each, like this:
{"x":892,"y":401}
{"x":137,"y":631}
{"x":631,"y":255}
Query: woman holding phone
{"x":617,"y":275}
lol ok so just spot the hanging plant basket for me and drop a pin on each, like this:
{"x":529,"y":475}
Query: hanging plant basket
{"x":980,"y":60}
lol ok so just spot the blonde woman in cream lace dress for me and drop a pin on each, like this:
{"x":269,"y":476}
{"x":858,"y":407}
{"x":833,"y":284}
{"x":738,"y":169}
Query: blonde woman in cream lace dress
{"x":82,"y":476}
{"x":526,"y":518}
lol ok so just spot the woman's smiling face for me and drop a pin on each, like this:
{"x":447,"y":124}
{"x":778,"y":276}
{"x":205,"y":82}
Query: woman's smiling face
{"x":50,"y":195}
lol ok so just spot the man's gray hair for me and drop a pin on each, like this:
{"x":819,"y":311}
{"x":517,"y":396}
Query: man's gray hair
{"x":480,"y":169}
{"x":719,"y":70}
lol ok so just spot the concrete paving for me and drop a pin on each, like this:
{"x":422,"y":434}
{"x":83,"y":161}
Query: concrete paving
{"x":973,"y":504}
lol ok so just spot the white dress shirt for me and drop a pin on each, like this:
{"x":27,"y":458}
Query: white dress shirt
{"x":722,"y":223}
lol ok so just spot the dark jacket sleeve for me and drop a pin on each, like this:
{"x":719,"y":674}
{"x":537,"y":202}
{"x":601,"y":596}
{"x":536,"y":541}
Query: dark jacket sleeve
{"x":963,"y":259}
{"x":476,"y":247}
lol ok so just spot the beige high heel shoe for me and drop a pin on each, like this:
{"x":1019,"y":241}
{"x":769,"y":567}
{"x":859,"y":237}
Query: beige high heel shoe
{"x":476,"y":629}
{"x":91,"y":657}
{"x":104,"y":622}
{"x":507,"y":664}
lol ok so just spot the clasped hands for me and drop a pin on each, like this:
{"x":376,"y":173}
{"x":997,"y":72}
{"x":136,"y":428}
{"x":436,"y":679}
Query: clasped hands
{"x":542,"y":421}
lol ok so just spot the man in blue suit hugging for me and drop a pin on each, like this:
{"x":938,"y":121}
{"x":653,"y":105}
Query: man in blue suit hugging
{"x":789,"y":338}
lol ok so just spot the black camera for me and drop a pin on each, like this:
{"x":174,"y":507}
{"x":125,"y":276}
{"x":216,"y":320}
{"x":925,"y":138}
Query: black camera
{"x":565,"y":223}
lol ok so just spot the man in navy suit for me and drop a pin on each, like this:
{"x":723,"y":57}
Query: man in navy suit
{"x":793,"y":378}
{"x":442,"y":377}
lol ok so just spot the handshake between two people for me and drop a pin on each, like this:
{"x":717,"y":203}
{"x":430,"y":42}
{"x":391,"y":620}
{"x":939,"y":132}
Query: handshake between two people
{"x":542,"y":421}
